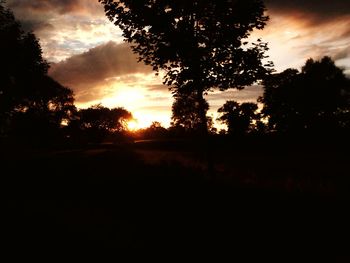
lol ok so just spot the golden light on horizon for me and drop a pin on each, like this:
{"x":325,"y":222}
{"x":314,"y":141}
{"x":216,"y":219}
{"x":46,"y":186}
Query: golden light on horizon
{"x":133,"y":93}
{"x":144,"y":119}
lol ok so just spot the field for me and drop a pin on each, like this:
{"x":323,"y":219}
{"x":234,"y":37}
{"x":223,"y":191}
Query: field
{"x":161,"y":196}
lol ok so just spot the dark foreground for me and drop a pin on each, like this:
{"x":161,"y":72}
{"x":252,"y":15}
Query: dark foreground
{"x":152,"y":197}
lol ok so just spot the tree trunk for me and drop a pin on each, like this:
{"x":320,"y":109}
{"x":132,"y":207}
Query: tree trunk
{"x":203,"y":126}
{"x":204,"y":133}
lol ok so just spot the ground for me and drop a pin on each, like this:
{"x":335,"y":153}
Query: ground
{"x":161,"y":196}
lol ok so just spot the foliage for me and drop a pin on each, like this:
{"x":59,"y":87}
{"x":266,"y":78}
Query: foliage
{"x":239,"y":118}
{"x":186,"y":111}
{"x":315,"y":99}
{"x":29,"y":99}
{"x":201,"y":45}
{"x":101,"y":118}
{"x":154,"y":131}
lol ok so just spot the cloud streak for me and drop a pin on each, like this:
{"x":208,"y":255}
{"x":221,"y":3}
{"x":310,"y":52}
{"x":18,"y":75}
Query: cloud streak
{"x":317,"y":11}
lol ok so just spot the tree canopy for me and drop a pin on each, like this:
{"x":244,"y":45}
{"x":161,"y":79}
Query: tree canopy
{"x":317,"y":98}
{"x":101,"y":118}
{"x":201,"y":45}
{"x":29,"y":98}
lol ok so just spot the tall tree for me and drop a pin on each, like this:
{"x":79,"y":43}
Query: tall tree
{"x":200,"y":44}
{"x":239,"y":118}
{"x":315,"y":99}
{"x":29,"y":98}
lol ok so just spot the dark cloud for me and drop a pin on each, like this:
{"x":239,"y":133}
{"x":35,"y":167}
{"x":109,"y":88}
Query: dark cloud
{"x":35,"y":15}
{"x":315,"y":10}
{"x":109,"y":60}
{"x":59,"y":6}
{"x":322,"y":8}
{"x":36,"y":25}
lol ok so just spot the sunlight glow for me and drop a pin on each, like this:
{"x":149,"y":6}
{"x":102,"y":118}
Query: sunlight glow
{"x":125,"y":97}
{"x":137,"y":94}
{"x":132,"y":125}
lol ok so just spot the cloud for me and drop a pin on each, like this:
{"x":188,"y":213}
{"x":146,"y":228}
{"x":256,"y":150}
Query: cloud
{"x":110,"y":73}
{"x":314,"y":10}
{"x":65,"y":27}
{"x":157,"y":87}
{"x":97,"y":65}
{"x":69,"y":27}
{"x":248,"y":94}
{"x":342,"y":53}
{"x":39,"y":14}
{"x":59,"y":6}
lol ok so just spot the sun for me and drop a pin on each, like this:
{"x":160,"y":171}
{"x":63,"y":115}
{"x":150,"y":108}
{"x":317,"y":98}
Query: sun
{"x":132,"y":125}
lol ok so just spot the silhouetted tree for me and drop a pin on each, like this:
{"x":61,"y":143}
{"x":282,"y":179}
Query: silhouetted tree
{"x":101,"y":118}
{"x":156,"y":125}
{"x":29,"y":99}
{"x":239,"y":118}
{"x":42,"y":118}
{"x":200,"y":45}
{"x":155,"y":131}
{"x":99,"y":123}
{"x":315,"y":99}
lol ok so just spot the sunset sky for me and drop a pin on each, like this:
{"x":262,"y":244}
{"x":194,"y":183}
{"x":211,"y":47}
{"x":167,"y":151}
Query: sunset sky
{"x":87,"y":52}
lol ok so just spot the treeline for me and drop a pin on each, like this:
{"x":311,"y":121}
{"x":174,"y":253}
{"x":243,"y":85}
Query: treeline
{"x":315,"y":101}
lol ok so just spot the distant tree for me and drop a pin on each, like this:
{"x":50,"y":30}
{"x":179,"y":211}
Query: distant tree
{"x":27,"y":95}
{"x":101,"y":118}
{"x":239,"y":118}
{"x":316,"y":99}
{"x":154,"y":131}
{"x":201,"y":45}
{"x":156,"y":125}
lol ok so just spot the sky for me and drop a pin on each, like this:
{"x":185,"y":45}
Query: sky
{"x":87,"y":52}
